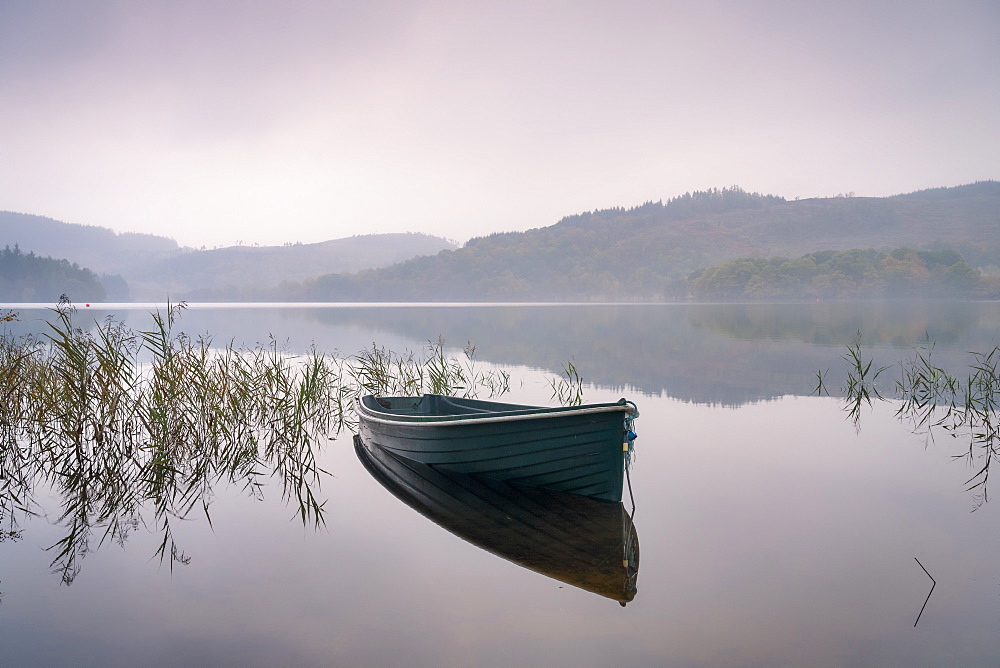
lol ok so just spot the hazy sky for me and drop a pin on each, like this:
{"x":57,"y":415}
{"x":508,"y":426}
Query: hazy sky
{"x":272,"y":122}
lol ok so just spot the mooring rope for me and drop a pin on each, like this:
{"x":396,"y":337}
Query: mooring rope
{"x":629,"y":444}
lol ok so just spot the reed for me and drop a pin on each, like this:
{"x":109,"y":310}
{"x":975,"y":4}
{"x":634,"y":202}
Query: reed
{"x":933,"y":400}
{"x":137,"y":428}
{"x":862,"y":380}
{"x":377,"y":370}
{"x":567,"y":389}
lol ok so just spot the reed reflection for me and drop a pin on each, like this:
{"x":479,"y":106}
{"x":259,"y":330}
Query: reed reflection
{"x":123,"y":443}
{"x":137,"y":429}
{"x":581,"y":541}
{"x":716,"y":354}
{"x":933,"y":400}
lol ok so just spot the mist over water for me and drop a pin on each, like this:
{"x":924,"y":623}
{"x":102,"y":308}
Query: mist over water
{"x":772,"y":530}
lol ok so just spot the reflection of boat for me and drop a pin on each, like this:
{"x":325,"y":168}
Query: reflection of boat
{"x":584,"y":542}
{"x":573,"y":449}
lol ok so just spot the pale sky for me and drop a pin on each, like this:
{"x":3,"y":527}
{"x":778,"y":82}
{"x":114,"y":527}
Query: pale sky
{"x":273,"y":122}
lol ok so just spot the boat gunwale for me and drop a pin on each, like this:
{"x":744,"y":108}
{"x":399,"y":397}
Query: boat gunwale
{"x":484,"y":418}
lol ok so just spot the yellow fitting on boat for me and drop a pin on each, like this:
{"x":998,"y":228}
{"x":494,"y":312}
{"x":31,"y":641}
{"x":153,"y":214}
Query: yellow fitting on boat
{"x":624,"y":447}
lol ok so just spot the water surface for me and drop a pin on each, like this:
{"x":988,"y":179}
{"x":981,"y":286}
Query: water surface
{"x":772,"y":531}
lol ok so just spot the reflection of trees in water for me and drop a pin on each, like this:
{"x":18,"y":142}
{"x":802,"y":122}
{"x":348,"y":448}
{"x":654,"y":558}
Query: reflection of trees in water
{"x":726,"y":354}
{"x":891,"y":323}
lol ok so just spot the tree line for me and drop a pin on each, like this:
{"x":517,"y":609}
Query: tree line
{"x":26,"y":277}
{"x":688,"y":205}
{"x":655,"y":251}
{"x":850,"y":274}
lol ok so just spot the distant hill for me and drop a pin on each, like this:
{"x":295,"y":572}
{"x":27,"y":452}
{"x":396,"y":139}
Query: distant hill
{"x":851,"y":274}
{"x":144,"y":266}
{"x":649,"y":251}
{"x":98,"y":248}
{"x":26,"y":277}
{"x":242,"y":272}
{"x":966,"y":218}
{"x":646,"y":252}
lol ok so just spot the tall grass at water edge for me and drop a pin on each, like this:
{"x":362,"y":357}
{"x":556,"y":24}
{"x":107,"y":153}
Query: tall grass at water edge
{"x":933,"y":400}
{"x":136,"y":428}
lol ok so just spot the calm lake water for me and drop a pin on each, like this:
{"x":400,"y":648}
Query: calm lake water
{"x":772,"y":532}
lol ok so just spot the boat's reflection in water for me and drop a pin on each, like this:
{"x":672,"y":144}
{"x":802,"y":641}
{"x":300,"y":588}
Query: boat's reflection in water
{"x":584,"y":542}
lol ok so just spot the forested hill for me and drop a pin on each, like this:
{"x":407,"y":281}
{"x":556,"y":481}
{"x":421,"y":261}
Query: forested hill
{"x":242,"y":272}
{"x":649,"y":251}
{"x":26,"y":277}
{"x":851,"y":274}
{"x":148,"y":267}
{"x":98,"y":248}
{"x":646,"y":252}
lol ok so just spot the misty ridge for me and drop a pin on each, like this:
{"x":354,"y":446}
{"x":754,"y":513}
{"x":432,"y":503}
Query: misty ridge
{"x":719,"y":244}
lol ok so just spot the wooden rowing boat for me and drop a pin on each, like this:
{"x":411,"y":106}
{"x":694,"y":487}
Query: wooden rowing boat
{"x":579,"y":449}
{"x":584,"y":542}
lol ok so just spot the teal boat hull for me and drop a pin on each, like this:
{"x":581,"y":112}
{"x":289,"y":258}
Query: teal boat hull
{"x":575,"y":449}
{"x":583,"y":542}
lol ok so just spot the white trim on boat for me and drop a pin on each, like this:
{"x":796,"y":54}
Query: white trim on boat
{"x":480,"y":418}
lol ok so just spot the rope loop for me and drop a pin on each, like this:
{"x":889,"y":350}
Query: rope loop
{"x":629,"y":444}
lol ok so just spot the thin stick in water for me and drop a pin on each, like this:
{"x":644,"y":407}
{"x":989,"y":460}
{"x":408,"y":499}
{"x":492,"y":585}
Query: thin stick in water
{"x":928,"y":593}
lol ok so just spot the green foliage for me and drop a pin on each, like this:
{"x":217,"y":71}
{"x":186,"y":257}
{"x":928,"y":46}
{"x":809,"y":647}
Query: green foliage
{"x":648,"y":252}
{"x":99,"y":248}
{"x":612,"y":254}
{"x":845,"y":274}
{"x":642,"y":253}
{"x":862,"y":381}
{"x":25,"y":277}
{"x":689,"y":204}
{"x":377,"y":370}
{"x":568,"y":389}
{"x":114,"y":434}
{"x":137,"y":428}
{"x":932,"y":399}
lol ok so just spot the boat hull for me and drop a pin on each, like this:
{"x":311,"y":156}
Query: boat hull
{"x":583,"y":542}
{"x":578,"y":450}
